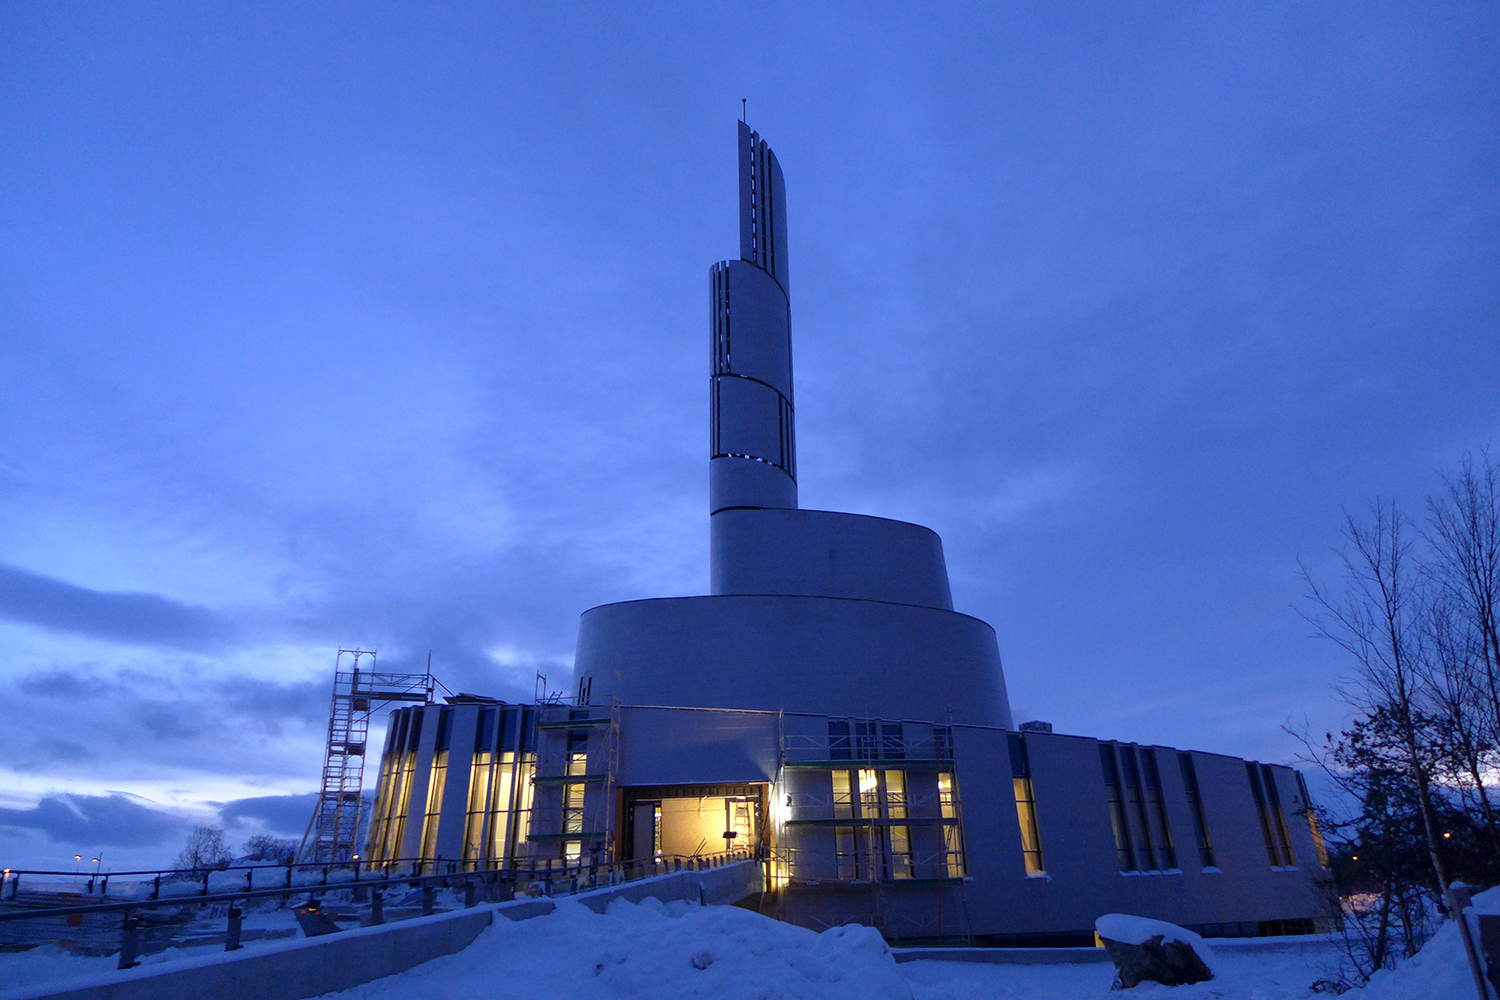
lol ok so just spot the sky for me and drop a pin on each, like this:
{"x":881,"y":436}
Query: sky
{"x":386,"y":325}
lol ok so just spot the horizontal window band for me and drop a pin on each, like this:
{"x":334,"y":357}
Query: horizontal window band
{"x":882,"y":763}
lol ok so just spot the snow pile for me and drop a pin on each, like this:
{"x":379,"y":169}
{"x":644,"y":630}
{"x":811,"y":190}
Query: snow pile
{"x":1126,"y":929}
{"x":1440,"y":969}
{"x":655,"y":950}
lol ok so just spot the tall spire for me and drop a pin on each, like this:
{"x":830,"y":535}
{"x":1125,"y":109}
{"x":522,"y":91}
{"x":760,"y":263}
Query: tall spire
{"x":753,"y":443}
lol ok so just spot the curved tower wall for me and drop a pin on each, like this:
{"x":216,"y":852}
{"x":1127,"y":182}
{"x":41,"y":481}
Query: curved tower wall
{"x":809,"y":611}
{"x":753,"y":441}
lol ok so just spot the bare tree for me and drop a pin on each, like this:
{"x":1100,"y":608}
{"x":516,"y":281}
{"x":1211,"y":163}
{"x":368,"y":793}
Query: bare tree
{"x":1378,"y":619}
{"x":1455,"y":684}
{"x":1463,"y":531}
{"x":204,"y":849}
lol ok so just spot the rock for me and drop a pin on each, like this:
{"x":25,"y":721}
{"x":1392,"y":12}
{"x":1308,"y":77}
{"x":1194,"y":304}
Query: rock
{"x":1152,"y":950}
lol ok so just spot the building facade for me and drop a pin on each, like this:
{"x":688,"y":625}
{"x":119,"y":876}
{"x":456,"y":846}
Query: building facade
{"x":825,"y":708}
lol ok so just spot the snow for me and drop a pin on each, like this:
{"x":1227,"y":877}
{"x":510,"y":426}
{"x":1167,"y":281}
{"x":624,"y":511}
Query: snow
{"x":1440,"y":969}
{"x":682,"y":950}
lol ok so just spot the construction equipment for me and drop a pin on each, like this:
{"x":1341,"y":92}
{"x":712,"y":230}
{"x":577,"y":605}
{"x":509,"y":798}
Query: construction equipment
{"x":332,"y":835}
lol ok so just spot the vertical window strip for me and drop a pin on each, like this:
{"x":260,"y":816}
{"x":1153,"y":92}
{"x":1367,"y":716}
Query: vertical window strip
{"x":389,"y":762}
{"x":1278,"y":818}
{"x":1025,"y":793}
{"x":898,"y":837}
{"x":437,"y":782}
{"x":501,"y":808}
{"x":1312,"y":821}
{"x":480,"y":774}
{"x":524,"y":793}
{"x":948,"y":810}
{"x":1117,"y":817}
{"x":869,"y":794}
{"x":1195,"y":802}
{"x":1253,"y":773}
{"x":843,"y":796}
{"x":1157,"y":804}
{"x":1135,"y":798}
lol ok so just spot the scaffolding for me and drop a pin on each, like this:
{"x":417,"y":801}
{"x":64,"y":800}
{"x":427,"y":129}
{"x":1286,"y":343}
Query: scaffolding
{"x":332,"y":835}
{"x":578,"y":749}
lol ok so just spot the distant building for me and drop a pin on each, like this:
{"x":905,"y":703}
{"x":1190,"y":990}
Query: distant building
{"x":825,"y":708}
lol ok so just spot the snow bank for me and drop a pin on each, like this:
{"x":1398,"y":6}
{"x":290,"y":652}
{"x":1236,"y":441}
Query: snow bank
{"x":1439,"y":971}
{"x":655,"y":950}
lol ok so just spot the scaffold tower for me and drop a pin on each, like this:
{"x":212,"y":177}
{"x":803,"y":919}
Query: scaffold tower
{"x":358,"y":687}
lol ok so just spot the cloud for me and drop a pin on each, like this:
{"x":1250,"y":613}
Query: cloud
{"x":114,"y":820}
{"x":119,"y":725}
{"x":143,"y":619}
{"x":282,"y":815}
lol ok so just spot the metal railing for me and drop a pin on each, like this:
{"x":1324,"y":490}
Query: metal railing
{"x":541,"y":877}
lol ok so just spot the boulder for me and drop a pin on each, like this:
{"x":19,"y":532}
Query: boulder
{"x":1153,"y":950}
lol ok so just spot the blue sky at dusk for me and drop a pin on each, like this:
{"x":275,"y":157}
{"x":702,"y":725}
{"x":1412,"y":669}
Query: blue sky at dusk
{"x":386,"y":325}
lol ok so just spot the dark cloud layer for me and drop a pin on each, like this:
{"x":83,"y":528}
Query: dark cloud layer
{"x":98,"y":821}
{"x":83,"y":721}
{"x":279,"y":815}
{"x":144,"y":619}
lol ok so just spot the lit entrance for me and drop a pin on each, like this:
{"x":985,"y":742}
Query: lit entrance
{"x":693,"y":820}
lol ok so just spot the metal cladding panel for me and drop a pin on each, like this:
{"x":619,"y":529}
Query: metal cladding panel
{"x":819,"y":655}
{"x":416,"y":803}
{"x":1082,"y":876}
{"x":746,"y":482}
{"x":752,"y":326}
{"x":749,"y":422}
{"x":762,"y":206}
{"x":817,"y":553}
{"x":455,"y":805}
{"x":684,"y":747}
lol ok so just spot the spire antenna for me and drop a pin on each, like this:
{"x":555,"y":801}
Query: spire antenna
{"x":744,"y":107}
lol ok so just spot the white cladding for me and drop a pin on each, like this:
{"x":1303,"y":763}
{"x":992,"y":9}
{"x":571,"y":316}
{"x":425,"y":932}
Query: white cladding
{"x":809,"y":611}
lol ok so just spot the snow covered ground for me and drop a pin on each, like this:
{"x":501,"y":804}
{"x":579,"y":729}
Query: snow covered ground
{"x":678,"y":950}
{"x":681,"y":950}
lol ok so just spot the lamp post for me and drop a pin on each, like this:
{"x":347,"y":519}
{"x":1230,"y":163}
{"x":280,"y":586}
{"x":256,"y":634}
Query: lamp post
{"x":77,"y":864}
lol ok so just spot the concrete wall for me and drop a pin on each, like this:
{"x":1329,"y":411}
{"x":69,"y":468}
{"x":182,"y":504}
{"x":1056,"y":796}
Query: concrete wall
{"x":825,"y":656}
{"x":314,"y":966}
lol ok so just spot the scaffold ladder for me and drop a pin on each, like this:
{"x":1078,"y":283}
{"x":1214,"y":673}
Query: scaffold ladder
{"x":333,"y":831}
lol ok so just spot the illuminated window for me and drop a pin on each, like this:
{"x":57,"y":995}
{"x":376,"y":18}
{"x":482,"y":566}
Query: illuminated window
{"x":1256,"y":793}
{"x":501,"y":807}
{"x":869,"y":795}
{"x":1195,"y":802}
{"x":1312,"y":821}
{"x":843,"y":796}
{"x":899,"y":837}
{"x":436,"y":783}
{"x":401,"y":786}
{"x":525,"y":789}
{"x":953,"y":845}
{"x":481,"y":776}
{"x":1031,"y":840}
{"x":1278,"y":818}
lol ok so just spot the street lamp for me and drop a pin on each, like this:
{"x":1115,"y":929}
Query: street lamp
{"x":77,"y":864}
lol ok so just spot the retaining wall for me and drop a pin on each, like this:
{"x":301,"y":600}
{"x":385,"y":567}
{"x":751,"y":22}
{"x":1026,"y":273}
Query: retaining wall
{"x":311,"y":967}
